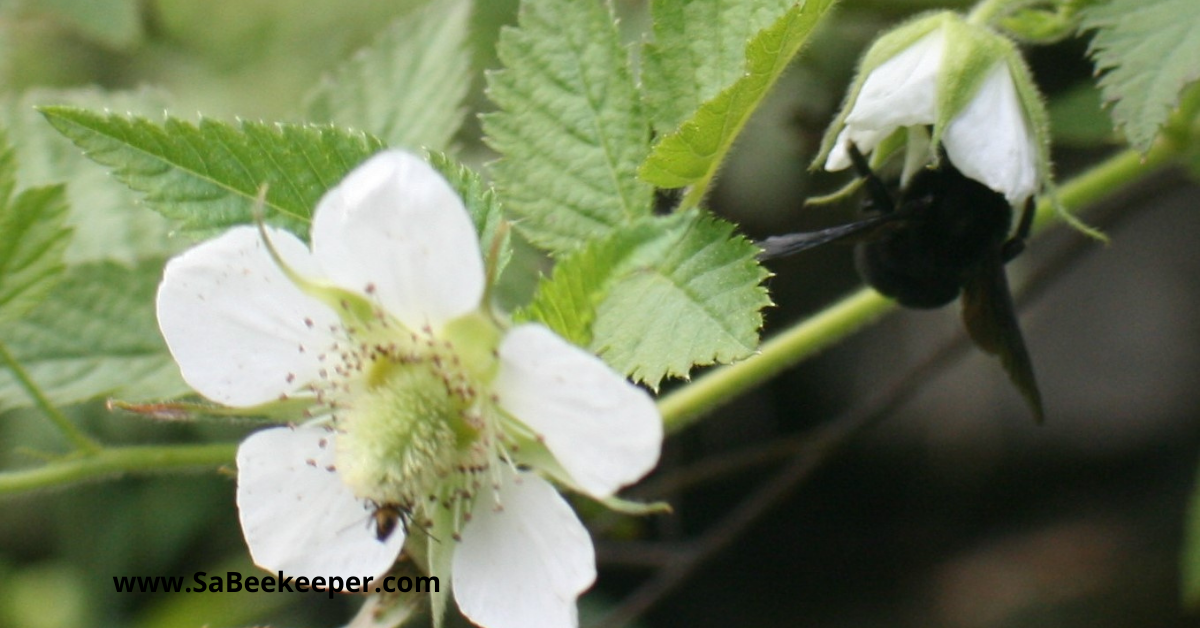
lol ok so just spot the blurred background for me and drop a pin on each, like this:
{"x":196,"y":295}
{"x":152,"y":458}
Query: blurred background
{"x":822,"y":499}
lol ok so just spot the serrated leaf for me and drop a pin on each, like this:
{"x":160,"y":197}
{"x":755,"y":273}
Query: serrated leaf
{"x":407,"y":87}
{"x":109,"y":223}
{"x":1148,"y":53}
{"x":699,"y":49}
{"x":207,"y":176}
{"x":484,"y":208}
{"x":32,"y":240}
{"x":691,"y":155}
{"x":570,"y":127}
{"x":660,"y":297}
{"x":95,"y":334}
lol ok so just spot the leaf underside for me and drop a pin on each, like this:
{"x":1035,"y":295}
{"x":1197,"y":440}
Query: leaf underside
{"x":1148,"y":53}
{"x":407,"y":87}
{"x":692,"y":154}
{"x":94,"y":334}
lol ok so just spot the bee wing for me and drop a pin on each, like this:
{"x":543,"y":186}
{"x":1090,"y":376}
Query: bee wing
{"x":991,"y":320}
{"x":791,"y":243}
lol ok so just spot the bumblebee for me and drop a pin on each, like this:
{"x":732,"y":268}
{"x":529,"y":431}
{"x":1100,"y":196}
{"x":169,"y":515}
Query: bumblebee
{"x":945,"y":236}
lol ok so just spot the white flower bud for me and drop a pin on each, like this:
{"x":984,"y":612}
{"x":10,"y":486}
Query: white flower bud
{"x":962,"y":80}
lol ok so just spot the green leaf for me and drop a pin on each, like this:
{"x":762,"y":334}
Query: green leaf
{"x":570,"y":127}
{"x":1148,"y":53}
{"x":109,"y":223}
{"x":94,"y":334}
{"x":691,"y":155}
{"x":32,"y":240}
{"x":484,"y":208}
{"x":208,"y":176}
{"x":406,"y":88}
{"x":658,"y":297}
{"x":699,"y":49}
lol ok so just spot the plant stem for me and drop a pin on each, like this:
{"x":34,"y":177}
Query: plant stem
{"x":684,"y":406}
{"x":116,"y":461}
{"x":69,"y":430}
{"x":983,"y":12}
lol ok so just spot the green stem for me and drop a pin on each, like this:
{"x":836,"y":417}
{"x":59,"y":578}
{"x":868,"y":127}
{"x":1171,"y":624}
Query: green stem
{"x":116,"y":461}
{"x":60,"y":420}
{"x":986,"y":11}
{"x":684,"y":406}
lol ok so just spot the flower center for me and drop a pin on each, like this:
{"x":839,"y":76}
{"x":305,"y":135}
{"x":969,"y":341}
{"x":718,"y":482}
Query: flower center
{"x":414,"y":418}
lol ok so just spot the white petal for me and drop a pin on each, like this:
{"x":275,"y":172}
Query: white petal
{"x":297,"y":514}
{"x":902,"y":90}
{"x":394,"y":228}
{"x":864,"y":139}
{"x":603,"y":430}
{"x":899,"y":92}
{"x":990,"y":140}
{"x":241,"y":331}
{"x":525,"y":565}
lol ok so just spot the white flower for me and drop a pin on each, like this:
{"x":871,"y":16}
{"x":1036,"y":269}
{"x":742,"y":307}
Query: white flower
{"x":927,"y":74}
{"x":426,"y":411}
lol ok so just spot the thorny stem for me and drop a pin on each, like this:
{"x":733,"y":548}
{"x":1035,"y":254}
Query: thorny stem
{"x":684,"y":406}
{"x":80,"y":440}
{"x":116,"y":461}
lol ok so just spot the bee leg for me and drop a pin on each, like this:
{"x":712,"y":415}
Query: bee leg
{"x":1016,"y":244}
{"x":880,"y":197}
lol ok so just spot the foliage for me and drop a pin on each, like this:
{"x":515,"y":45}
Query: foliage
{"x":563,"y":150}
{"x":1147,"y":53}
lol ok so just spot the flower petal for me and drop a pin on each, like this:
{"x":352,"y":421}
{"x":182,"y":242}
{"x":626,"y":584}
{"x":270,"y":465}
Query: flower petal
{"x":901,"y":91}
{"x":603,"y":430}
{"x":297,"y":514}
{"x":394,"y":229}
{"x":524,"y":565}
{"x":990,"y":140}
{"x":240,"y":330}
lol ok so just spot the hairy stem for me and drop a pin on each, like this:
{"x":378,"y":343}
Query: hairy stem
{"x":116,"y":461}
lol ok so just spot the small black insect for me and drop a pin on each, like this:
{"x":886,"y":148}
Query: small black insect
{"x":946,"y":235}
{"x":386,"y":517}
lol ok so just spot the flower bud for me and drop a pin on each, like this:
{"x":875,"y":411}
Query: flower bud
{"x":941,"y":80}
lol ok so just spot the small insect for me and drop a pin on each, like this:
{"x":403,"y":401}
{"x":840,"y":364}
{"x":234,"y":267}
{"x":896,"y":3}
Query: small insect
{"x":947,"y":235}
{"x":386,"y":517}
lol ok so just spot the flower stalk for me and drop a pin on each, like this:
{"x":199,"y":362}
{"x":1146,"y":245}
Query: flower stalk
{"x":117,"y":461}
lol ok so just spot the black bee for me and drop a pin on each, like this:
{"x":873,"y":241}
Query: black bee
{"x":946,"y":235}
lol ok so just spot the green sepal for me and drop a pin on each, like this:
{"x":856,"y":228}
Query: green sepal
{"x":637,"y":509}
{"x":970,"y":54}
{"x":354,"y":310}
{"x":1041,"y":25}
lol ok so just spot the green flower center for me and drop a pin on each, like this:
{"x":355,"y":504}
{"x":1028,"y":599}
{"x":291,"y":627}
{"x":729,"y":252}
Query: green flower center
{"x":414,"y":417}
